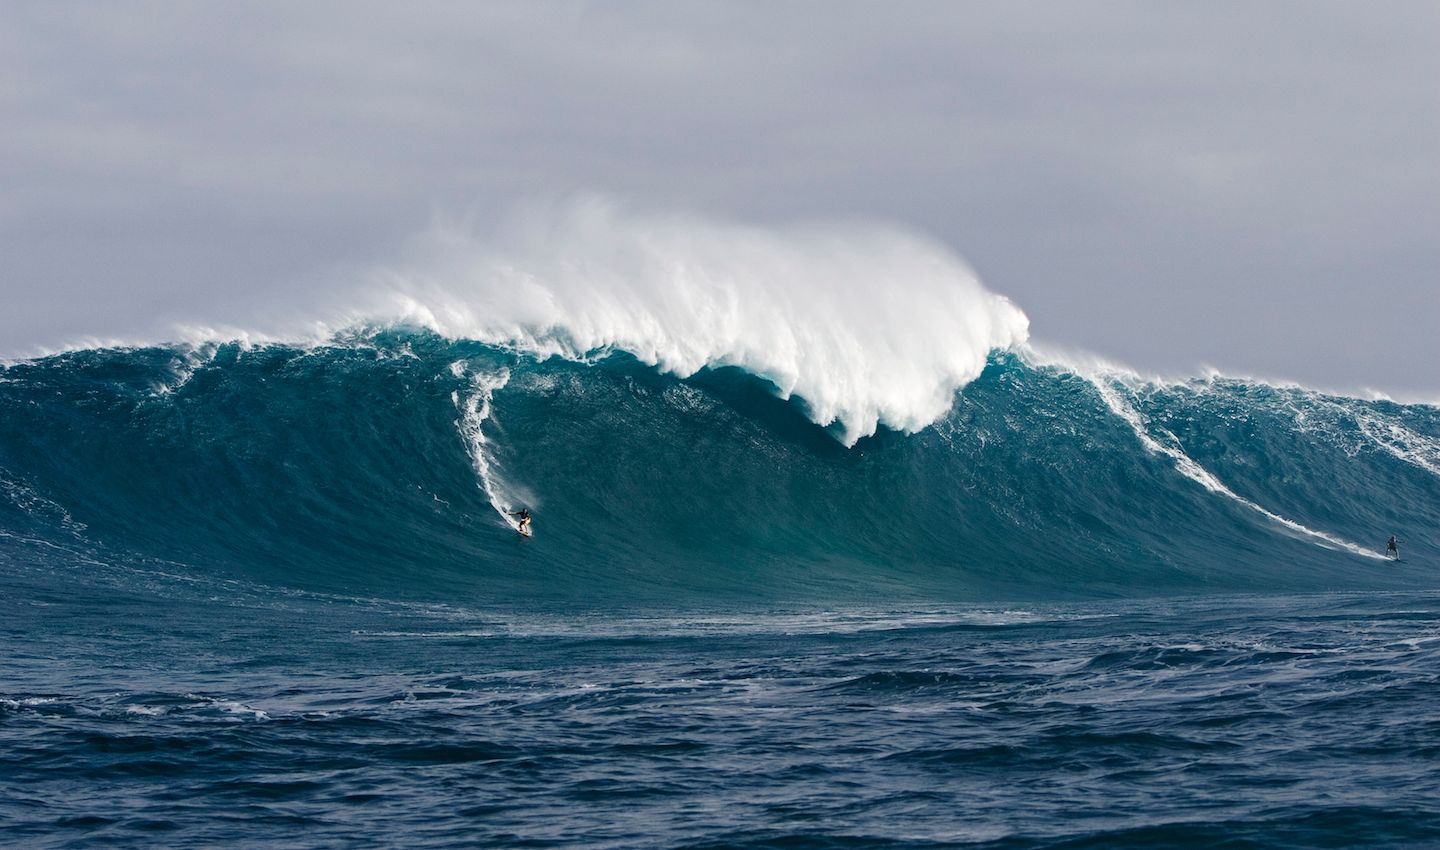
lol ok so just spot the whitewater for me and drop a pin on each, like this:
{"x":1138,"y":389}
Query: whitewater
{"x":828,"y":551}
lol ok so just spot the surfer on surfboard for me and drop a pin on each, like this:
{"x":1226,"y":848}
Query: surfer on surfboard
{"x":1392,"y":547}
{"x":523,"y":515}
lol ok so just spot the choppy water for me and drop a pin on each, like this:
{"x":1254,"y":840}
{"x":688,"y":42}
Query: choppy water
{"x":239,"y":717}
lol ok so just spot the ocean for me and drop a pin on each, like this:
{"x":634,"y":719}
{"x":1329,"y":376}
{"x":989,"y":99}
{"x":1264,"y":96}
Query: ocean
{"x":268,"y":595}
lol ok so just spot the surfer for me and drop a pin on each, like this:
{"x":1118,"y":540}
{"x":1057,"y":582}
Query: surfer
{"x":524,"y":516}
{"x":1392,"y":547}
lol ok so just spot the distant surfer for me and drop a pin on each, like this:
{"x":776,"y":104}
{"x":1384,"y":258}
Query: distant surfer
{"x":1392,"y":547}
{"x":523,"y":515}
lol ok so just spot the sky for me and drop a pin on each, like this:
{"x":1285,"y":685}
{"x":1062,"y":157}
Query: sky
{"x":1253,"y":187}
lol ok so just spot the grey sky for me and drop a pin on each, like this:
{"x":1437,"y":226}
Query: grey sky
{"x":1250,"y":186}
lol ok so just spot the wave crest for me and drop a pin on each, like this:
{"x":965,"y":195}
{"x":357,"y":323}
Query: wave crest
{"x":867,"y":324}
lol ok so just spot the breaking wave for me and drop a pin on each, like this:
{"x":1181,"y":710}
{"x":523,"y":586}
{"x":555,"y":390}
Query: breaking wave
{"x":865,"y":324}
{"x":700,"y":408}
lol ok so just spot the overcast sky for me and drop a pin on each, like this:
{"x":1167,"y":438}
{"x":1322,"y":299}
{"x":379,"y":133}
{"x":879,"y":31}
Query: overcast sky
{"x":1245,"y":185}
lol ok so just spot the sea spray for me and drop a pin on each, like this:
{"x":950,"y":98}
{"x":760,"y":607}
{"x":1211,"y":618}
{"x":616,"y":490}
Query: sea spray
{"x":868,"y":324}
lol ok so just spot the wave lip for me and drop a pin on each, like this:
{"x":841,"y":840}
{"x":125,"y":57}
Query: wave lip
{"x":867,"y":325}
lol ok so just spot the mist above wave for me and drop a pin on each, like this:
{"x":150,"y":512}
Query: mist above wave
{"x":867,"y":324}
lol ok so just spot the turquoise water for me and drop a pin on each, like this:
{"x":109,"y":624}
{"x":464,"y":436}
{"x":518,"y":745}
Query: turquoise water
{"x":265,"y":596}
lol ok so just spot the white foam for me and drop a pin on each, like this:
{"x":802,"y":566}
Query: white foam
{"x":1328,"y":415}
{"x":474,"y":409}
{"x":1104,"y":379}
{"x":1321,"y":415}
{"x":869,"y":325}
{"x":1394,"y":438}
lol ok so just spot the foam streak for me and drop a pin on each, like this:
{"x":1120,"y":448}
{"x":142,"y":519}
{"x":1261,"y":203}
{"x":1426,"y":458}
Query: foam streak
{"x":1188,"y":467}
{"x":474,"y":410}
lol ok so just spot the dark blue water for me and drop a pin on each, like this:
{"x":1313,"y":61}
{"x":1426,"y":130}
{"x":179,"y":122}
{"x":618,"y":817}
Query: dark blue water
{"x":264,"y":597}
{"x":219,"y":715}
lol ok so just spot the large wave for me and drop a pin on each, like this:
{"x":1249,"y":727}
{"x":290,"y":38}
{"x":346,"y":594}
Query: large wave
{"x":866,"y":324}
{"x":382,"y":462}
{"x":694,"y":406}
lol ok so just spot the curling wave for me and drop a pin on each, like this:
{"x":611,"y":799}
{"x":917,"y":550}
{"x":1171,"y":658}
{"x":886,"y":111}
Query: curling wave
{"x":865,"y":324}
{"x":868,"y":325}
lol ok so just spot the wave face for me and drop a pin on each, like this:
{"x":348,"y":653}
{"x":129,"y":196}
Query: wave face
{"x":383,"y":463}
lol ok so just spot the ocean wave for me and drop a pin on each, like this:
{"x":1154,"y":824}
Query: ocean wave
{"x":868,"y":324}
{"x":385,"y":463}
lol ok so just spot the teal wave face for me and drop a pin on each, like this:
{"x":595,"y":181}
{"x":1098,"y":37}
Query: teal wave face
{"x":379,"y":466}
